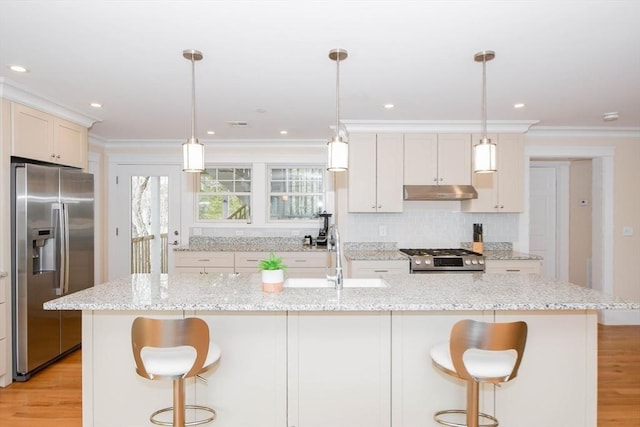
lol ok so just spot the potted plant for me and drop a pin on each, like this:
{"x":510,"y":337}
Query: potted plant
{"x":272,"y":273}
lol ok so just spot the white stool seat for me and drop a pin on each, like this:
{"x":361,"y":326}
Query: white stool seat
{"x":175,"y":361}
{"x":480,"y":364}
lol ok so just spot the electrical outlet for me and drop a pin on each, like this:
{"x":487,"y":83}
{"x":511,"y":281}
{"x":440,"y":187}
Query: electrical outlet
{"x":382,"y":230}
{"x":627,"y":231}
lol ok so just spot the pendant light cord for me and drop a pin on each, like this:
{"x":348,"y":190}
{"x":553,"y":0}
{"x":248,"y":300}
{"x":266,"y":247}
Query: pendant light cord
{"x":338,"y":94}
{"x":193,"y":99}
{"x":484,"y":98}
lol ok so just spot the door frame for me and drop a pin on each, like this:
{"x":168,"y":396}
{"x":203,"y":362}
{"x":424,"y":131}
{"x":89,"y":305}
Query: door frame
{"x":113,"y":163}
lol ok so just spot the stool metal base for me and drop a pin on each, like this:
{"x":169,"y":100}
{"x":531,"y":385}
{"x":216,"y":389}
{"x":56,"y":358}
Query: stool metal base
{"x":438,"y":417}
{"x":211,"y":418}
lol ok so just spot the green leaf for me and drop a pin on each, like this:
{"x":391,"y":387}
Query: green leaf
{"x":272,"y":263}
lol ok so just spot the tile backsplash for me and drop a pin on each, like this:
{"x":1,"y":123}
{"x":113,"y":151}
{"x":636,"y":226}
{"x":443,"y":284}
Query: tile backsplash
{"x":430,"y":228}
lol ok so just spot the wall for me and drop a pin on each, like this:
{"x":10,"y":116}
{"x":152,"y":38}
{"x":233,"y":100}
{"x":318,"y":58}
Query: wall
{"x":580,"y":224}
{"x":626,"y":201}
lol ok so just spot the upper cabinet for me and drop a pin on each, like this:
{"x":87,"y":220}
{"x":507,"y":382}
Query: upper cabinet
{"x":40,"y":136}
{"x":432,"y":159}
{"x":375,"y":172}
{"x":501,"y":191}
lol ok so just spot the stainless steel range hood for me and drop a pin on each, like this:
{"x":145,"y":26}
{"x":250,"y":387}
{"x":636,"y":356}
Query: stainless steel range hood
{"x":439,"y":192}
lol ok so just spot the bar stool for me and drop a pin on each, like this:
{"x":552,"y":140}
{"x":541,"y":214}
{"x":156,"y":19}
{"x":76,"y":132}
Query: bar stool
{"x":174,"y":349}
{"x":479,"y":352}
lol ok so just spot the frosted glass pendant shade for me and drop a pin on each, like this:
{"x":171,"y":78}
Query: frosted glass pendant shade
{"x":192,"y":156}
{"x":338,"y":151}
{"x":484,"y":157}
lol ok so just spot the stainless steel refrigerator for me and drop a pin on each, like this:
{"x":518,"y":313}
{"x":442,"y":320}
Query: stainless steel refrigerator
{"x":52,"y":255}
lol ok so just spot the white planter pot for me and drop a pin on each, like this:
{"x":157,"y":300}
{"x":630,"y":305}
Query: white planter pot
{"x":272,"y":280}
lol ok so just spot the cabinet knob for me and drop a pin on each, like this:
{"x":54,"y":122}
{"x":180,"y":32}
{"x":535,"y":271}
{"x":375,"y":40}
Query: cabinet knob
{"x":501,"y":206}
{"x":441,"y":179}
{"x":435,"y":179}
{"x":495,"y":207}
{"x":57,"y":156}
{"x":373,"y":207}
{"x":53,"y":155}
{"x":379,"y":206}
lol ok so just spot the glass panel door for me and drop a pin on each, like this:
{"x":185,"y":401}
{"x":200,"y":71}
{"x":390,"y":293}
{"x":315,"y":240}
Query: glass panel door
{"x":147,"y":219}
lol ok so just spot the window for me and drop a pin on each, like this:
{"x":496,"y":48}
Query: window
{"x":295,"y":193}
{"x":224,"y":194}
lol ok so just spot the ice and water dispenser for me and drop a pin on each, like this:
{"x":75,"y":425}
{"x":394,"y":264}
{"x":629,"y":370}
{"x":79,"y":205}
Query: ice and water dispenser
{"x":43,"y":241}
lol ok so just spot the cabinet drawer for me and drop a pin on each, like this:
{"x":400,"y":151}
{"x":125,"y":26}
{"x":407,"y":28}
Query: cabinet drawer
{"x":290,"y":259}
{"x":377,"y":268}
{"x":305,"y":259}
{"x":204,"y":259}
{"x":523,"y":266}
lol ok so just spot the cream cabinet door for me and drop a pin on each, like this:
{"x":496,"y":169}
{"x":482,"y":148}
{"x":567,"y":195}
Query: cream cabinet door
{"x":390,"y":173}
{"x":69,"y":143}
{"x":32,"y":134}
{"x":510,"y":173}
{"x":421,"y":159}
{"x":454,"y":159}
{"x":362,"y":173}
{"x":339,"y":369}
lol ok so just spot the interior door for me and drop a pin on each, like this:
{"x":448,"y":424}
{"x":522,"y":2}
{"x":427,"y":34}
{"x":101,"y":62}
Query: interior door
{"x":542,"y":217}
{"x":144,"y":219}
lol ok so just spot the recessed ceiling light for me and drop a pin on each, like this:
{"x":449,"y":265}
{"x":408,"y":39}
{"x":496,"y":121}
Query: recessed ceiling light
{"x":610,"y":117}
{"x":518,"y":105}
{"x":284,"y":132}
{"x":211,"y":132}
{"x":96,"y":105}
{"x":389,"y":106}
{"x":18,"y":68}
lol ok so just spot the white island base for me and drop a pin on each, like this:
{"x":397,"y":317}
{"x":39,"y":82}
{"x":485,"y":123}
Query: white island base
{"x":344,"y":369}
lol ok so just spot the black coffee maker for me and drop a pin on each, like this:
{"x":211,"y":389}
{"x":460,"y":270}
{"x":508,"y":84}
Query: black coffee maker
{"x":322,"y":238}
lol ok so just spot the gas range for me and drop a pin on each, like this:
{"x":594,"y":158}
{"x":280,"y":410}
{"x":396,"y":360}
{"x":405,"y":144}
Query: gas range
{"x":444,"y":260}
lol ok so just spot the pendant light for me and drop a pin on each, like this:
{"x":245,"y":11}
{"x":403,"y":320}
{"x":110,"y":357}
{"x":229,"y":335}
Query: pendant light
{"x":192,"y":150}
{"x":484,"y":153}
{"x":338,"y":150}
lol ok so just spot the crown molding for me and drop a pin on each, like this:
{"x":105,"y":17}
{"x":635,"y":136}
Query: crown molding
{"x":583,"y":132}
{"x":437,"y":126}
{"x":14,"y":92}
{"x":213,"y":143}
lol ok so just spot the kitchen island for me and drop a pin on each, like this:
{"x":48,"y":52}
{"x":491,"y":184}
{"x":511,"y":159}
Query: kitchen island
{"x":357,"y":357}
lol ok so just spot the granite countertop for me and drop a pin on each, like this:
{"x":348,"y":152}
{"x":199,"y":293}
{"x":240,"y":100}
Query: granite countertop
{"x":247,"y":244}
{"x":243,"y":292}
{"x":374,"y":255}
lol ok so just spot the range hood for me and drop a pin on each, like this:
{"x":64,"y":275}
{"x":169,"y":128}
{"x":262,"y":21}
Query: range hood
{"x":439,"y":192}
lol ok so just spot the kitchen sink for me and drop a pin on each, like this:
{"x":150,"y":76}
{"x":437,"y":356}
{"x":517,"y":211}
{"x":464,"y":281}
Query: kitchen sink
{"x":355,"y":282}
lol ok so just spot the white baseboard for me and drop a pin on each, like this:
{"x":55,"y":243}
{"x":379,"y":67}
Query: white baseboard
{"x":619,"y":317}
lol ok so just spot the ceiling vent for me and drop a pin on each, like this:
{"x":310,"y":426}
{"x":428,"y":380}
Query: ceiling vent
{"x":238,"y":124}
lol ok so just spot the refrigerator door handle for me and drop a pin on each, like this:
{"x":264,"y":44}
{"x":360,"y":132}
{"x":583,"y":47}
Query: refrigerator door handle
{"x":64,"y":253}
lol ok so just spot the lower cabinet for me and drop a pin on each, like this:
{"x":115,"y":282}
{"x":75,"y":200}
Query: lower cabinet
{"x":339,"y":370}
{"x":377,"y":268}
{"x":522,"y":266}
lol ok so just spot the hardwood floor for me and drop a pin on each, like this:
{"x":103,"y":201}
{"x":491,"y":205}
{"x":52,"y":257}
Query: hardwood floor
{"x":53,"y":397}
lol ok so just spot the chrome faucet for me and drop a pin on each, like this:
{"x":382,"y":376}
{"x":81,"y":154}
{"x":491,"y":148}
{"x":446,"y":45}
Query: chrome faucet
{"x":334,"y":246}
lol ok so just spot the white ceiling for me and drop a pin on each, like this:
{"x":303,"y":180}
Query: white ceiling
{"x":266,"y":62}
